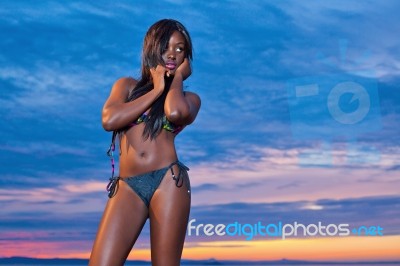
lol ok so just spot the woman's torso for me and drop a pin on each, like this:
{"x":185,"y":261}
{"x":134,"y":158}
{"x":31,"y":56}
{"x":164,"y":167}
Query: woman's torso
{"x":140,"y":156}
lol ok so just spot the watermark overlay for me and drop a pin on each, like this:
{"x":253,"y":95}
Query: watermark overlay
{"x":344,"y":104}
{"x":281,"y":230}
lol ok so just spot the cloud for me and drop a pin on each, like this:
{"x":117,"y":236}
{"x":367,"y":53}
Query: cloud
{"x":280,"y":175}
{"x":274,"y":176}
{"x":326,"y":211}
{"x":206,"y":187}
{"x":44,"y":148}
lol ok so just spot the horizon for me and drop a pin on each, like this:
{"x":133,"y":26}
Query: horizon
{"x":213,"y":259}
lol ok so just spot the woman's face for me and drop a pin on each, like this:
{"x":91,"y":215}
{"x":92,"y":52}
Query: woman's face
{"x":175,"y":53}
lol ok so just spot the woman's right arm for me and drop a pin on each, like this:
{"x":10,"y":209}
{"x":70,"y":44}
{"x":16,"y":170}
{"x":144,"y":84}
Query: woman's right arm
{"x":117,"y":113}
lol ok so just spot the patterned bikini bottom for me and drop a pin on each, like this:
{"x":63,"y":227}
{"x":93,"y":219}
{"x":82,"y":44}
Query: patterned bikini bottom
{"x":146,"y":184}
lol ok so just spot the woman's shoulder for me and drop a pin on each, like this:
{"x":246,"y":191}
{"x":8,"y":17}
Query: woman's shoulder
{"x":126,"y":81}
{"x":124,"y":84}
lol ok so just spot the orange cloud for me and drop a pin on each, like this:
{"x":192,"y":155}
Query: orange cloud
{"x":329,"y":249}
{"x":317,"y":249}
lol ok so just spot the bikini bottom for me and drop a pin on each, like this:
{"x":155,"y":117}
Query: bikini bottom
{"x":146,"y":184}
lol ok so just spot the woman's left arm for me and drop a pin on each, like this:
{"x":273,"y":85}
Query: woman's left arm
{"x":181,"y":108}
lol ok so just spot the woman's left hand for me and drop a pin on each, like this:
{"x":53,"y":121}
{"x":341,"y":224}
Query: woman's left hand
{"x":185,"y":69}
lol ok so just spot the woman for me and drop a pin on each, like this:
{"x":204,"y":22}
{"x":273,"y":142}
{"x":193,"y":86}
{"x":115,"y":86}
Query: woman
{"x":147,"y":115}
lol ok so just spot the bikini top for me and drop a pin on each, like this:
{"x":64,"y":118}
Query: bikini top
{"x":167,"y":125}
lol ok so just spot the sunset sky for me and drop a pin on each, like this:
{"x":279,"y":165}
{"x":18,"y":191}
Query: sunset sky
{"x":300,"y":122}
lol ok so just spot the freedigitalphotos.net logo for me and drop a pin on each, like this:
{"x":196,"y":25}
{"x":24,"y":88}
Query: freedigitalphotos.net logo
{"x":336,"y":105}
{"x":282,"y":230}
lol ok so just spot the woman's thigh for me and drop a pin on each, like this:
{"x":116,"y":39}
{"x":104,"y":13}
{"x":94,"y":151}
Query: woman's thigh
{"x":122,"y":221}
{"x":169,"y":213}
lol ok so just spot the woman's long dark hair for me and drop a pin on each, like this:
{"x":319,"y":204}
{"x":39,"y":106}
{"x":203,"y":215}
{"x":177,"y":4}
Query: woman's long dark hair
{"x":155,"y":43}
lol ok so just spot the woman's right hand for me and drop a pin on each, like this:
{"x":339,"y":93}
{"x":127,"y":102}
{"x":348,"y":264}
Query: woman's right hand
{"x":185,"y":69}
{"x":157,"y":74}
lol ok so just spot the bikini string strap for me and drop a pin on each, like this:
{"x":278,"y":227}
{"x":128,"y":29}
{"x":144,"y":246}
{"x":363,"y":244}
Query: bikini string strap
{"x":113,"y":184}
{"x":182,"y":173}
